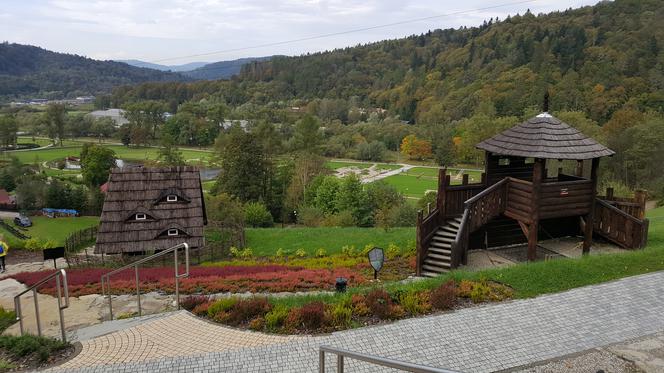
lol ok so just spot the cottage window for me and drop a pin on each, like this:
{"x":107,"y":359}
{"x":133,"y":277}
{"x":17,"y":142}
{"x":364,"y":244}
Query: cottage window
{"x":504,"y":162}
{"x":172,"y":232}
{"x":529,"y":161}
{"x":171,"y":198}
{"x":141,"y":216}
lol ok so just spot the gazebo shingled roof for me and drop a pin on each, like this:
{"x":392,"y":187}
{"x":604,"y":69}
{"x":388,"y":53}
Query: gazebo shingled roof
{"x":545,"y":136}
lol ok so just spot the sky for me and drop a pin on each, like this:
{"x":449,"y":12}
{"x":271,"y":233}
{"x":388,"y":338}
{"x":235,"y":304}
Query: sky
{"x":172,"y":32}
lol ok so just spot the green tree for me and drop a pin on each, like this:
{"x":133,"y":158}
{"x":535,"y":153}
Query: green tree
{"x":56,"y":120}
{"x":307,"y":137}
{"x":96,"y":163}
{"x":244,"y":173}
{"x":352,"y":197}
{"x":8,"y":130}
{"x":257,"y":215}
{"x":169,"y":154}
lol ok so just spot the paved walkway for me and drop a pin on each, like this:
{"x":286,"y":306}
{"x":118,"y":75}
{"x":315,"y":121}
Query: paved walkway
{"x":478,"y":339}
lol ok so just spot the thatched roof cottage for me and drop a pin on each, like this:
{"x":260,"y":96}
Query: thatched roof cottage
{"x":149,"y":209}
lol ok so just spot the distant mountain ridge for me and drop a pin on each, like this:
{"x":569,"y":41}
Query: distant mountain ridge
{"x":30,"y":71}
{"x":175,"y":68}
{"x":202,"y":70}
{"x":223,"y":69}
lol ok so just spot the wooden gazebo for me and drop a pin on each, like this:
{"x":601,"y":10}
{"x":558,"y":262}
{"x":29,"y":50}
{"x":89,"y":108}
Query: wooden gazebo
{"x":518,"y":198}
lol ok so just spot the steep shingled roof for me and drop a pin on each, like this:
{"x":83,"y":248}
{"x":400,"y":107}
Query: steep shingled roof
{"x":143,"y":191}
{"x":545,"y":136}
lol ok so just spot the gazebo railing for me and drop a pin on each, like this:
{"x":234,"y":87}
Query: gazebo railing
{"x":60,"y":280}
{"x":106,"y":278}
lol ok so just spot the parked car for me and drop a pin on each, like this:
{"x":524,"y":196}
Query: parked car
{"x":23,"y":221}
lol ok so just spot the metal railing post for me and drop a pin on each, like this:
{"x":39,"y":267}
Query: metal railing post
{"x":177,"y":281}
{"x":138,"y":291}
{"x":371,"y":359}
{"x":321,"y":361}
{"x":58,"y":283}
{"x":340,"y":363}
{"x":34,"y":295}
{"x":106,"y":278}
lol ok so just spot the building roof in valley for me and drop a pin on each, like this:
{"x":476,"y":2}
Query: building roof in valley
{"x":6,"y":198}
{"x":545,"y":136}
{"x":116,"y":114}
{"x":151,"y":209}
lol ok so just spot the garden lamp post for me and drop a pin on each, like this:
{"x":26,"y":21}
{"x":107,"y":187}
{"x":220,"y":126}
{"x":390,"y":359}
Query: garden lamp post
{"x":376,"y":259}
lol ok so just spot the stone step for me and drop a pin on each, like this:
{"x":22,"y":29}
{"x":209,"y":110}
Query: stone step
{"x":450,"y":229}
{"x":440,"y":245}
{"x":440,"y":239}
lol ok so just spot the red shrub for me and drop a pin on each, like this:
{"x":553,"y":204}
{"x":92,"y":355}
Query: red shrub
{"x":190,"y":302}
{"x":247,"y":309}
{"x":293,"y":321}
{"x":445,"y":296}
{"x":201,"y":309}
{"x":312,"y":315}
{"x":272,"y":278}
{"x":379,"y":302}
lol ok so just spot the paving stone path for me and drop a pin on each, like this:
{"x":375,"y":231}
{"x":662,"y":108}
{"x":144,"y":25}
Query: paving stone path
{"x":478,"y":339}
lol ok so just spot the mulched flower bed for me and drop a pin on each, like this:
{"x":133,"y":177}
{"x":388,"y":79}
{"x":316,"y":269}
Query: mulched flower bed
{"x":31,"y":352}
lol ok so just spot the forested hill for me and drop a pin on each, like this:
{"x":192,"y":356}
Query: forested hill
{"x":595,"y":59}
{"x":221,"y":69}
{"x":32,"y":71}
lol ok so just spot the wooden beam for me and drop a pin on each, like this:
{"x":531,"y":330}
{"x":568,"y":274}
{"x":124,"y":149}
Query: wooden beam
{"x":524,"y":228}
{"x":538,"y":174}
{"x":588,"y":233}
{"x":442,"y":192}
{"x":418,"y":244}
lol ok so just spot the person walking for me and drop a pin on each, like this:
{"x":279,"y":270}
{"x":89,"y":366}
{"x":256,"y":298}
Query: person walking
{"x":3,"y":252}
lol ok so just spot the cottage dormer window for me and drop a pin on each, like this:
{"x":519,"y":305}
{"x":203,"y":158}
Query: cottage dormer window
{"x":141,"y":216}
{"x":172,"y":232}
{"x":171,"y":198}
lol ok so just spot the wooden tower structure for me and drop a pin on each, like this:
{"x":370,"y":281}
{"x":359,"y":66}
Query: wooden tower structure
{"x":519,"y":200}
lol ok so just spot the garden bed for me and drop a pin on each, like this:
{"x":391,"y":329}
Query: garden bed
{"x":356,"y":309}
{"x":30,"y":352}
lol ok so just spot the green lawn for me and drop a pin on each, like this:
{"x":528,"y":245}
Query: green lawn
{"x":122,"y":152}
{"x":45,"y":229}
{"x":266,"y":241}
{"x":334,"y":165}
{"x":416,"y":181}
{"x":533,"y":279}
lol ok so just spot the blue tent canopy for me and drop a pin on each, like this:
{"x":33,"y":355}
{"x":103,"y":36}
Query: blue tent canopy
{"x":49,"y":211}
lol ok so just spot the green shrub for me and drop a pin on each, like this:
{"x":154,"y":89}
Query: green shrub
{"x":415,"y":302}
{"x":245,"y":253}
{"x":444,"y":297}
{"x":341,"y":315}
{"x":221,"y":305}
{"x":257,"y":215}
{"x":276,"y":317}
{"x":33,"y":244}
{"x":321,"y":253}
{"x":392,"y":251}
{"x":27,"y":345}
{"x":7,"y":318}
{"x":300,"y":253}
{"x":349,"y":251}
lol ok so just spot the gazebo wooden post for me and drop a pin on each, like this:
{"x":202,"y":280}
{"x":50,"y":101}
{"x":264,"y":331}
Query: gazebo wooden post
{"x":588,"y":231}
{"x":538,"y":171}
{"x":579,"y":168}
{"x":440,"y":197}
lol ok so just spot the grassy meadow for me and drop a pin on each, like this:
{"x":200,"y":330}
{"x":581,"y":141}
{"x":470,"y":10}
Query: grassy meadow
{"x":48,"y":229}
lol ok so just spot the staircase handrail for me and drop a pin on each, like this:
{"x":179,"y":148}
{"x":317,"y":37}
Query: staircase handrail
{"x":135,"y":265}
{"x":60,"y":279}
{"x":458,"y":246}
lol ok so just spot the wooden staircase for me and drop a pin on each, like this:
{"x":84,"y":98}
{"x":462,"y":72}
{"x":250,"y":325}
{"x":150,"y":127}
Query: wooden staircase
{"x":438,"y":259}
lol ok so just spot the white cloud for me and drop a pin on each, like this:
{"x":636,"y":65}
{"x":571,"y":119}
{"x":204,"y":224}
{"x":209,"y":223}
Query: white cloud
{"x":162,"y":29}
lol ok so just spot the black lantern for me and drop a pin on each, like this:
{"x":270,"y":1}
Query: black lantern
{"x":376,"y":259}
{"x":340,"y":285}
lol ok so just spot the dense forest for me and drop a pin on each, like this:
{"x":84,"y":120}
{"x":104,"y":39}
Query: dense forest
{"x":429,"y":97}
{"x":28,"y":71}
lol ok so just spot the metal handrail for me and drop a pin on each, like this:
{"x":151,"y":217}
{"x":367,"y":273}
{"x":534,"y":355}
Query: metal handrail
{"x":17,"y":301}
{"x":390,"y":363}
{"x":135,"y":265}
